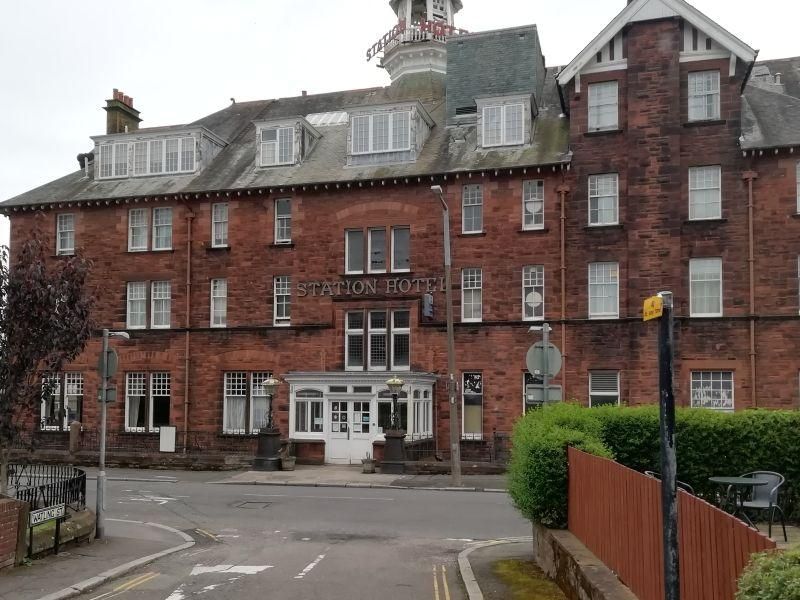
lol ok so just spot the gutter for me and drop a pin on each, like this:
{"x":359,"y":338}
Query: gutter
{"x":749,"y":71}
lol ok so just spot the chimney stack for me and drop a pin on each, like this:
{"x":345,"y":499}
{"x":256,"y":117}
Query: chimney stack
{"x":121,"y":117}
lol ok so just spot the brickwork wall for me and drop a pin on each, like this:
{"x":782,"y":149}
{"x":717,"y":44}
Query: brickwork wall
{"x":9,"y":521}
{"x":653,"y":244}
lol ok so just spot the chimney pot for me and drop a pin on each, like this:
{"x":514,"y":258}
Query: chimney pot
{"x":778,"y":78}
{"x":126,"y":100}
{"x":304,"y":93}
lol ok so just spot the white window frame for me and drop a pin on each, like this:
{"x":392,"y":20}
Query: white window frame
{"x":355,"y":332}
{"x":533,"y":282}
{"x":158,"y":225}
{"x":395,"y":332}
{"x":376,"y":332}
{"x":364,"y":258}
{"x":280,"y":133}
{"x":533,"y":195}
{"x":797,"y":183}
{"x":140,"y":226}
{"x":505,"y":139}
{"x":471,"y":197}
{"x":65,"y":234}
{"x":393,"y":118}
{"x":219,"y":292}
{"x":283,"y":222}
{"x":598,"y":188}
{"x":472,"y":279}
{"x":282,"y":300}
{"x":472,"y":435}
{"x":257,"y":394}
{"x":599,"y":99}
{"x":133,"y":290}
{"x":228,"y":382}
{"x":695,"y":113}
{"x":139,"y":378}
{"x":219,"y":225}
{"x":699,"y":377}
{"x":395,"y":268}
{"x":144,"y":156}
{"x":601,"y":392}
{"x":160,"y":291}
{"x":613,"y":268}
{"x":151,"y":396}
{"x":695,"y":277}
{"x":697,"y":187}
{"x":62,"y":395}
{"x":309,"y":397}
{"x":382,"y":248}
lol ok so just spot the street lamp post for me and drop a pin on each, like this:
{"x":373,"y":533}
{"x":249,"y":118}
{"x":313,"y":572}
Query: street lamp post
{"x":394,"y":454}
{"x":100,"y":502}
{"x":455,"y":423}
{"x":269,"y":437}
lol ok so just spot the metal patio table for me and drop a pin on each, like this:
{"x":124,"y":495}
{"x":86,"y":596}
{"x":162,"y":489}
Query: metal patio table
{"x":740,"y":486}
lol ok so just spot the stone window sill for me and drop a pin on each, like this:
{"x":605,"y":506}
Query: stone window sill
{"x":472,"y":234}
{"x":165,"y":251}
{"x":604,"y":227}
{"x":210,"y":248}
{"x":602,"y":132}
{"x":705,"y":123}
{"x":282,"y":245}
{"x":705,"y":221}
{"x":534,"y":231}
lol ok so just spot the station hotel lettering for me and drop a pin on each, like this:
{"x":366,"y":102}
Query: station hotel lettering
{"x":298,"y":237}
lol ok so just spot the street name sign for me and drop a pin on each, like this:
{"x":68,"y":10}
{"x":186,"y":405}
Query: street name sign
{"x":37,"y":517}
{"x":653,"y":308}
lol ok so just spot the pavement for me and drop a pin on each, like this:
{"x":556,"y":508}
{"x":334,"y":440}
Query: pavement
{"x":126,"y":546}
{"x":352,"y":476}
{"x":399,"y":538}
{"x":505,"y":570}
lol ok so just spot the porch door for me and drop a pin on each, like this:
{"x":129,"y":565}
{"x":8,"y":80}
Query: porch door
{"x":350,"y":431}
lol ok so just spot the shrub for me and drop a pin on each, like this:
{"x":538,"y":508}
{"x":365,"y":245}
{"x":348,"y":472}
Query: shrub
{"x":538,"y":467}
{"x":708,"y":443}
{"x":771,"y":576}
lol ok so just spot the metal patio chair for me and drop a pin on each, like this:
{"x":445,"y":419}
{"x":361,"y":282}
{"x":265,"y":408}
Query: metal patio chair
{"x":681,"y":484}
{"x":765,"y":497}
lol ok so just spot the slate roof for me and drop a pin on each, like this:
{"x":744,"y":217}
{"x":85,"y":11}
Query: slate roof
{"x":771,"y":110}
{"x":447,"y":150}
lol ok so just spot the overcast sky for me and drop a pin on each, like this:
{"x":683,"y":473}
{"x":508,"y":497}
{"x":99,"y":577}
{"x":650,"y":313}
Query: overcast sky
{"x":183,"y":59}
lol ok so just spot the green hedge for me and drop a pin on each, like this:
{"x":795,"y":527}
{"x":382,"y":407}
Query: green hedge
{"x":771,"y":576}
{"x":708,"y":443}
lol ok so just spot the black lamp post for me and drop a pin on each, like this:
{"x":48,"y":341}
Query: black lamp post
{"x":394,"y":451}
{"x":269,"y":436}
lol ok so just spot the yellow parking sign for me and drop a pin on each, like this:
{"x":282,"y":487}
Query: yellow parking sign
{"x":653,"y":308}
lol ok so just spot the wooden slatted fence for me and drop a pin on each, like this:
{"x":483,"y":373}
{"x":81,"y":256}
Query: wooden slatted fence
{"x":616,"y":512}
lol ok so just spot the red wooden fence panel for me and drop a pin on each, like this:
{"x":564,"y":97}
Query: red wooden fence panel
{"x":616,"y":512}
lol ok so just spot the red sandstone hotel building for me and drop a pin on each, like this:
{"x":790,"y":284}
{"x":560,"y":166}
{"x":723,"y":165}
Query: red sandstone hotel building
{"x":299,"y":237}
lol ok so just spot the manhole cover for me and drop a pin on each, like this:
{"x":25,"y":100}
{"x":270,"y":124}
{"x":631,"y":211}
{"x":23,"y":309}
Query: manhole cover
{"x":247,"y":504}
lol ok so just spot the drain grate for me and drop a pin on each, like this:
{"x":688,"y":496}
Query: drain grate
{"x":253,"y":505}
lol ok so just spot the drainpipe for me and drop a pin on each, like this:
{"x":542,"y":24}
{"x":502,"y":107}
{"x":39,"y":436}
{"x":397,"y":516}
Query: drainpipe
{"x":749,"y":177}
{"x":562,"y":192}
{"x":186,"y":361}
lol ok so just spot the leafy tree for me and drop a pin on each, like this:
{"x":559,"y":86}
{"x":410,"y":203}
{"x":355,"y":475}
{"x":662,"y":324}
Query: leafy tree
{"x":45,"y":322}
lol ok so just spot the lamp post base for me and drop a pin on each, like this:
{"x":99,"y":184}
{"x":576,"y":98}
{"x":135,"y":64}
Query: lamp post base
{"x":394,"y":452}
{"x":267,"y":453}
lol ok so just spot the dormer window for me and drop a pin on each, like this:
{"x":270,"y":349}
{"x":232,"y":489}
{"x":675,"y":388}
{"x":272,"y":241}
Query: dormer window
{"x":284,"y":142}
{"x":143,"y":154}
{"x":381,"y":132}
{"x":387,"y":133}
{"x":277,"y":146}
{"x":502,"y":125}
{"x":504,"y":121}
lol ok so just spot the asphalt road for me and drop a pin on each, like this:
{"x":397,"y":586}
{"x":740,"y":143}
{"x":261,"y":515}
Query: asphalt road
{"x":300,"y":543}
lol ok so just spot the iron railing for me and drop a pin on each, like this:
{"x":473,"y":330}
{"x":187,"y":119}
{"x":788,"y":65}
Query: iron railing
{"x":42,"y":486}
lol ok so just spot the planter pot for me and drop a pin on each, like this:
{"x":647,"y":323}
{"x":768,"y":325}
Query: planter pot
{"x":367,"y":466}
{"x":287,"y":463}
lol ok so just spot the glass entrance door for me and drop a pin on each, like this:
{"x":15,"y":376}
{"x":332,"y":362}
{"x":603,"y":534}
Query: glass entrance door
{"x":350,"y":431}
